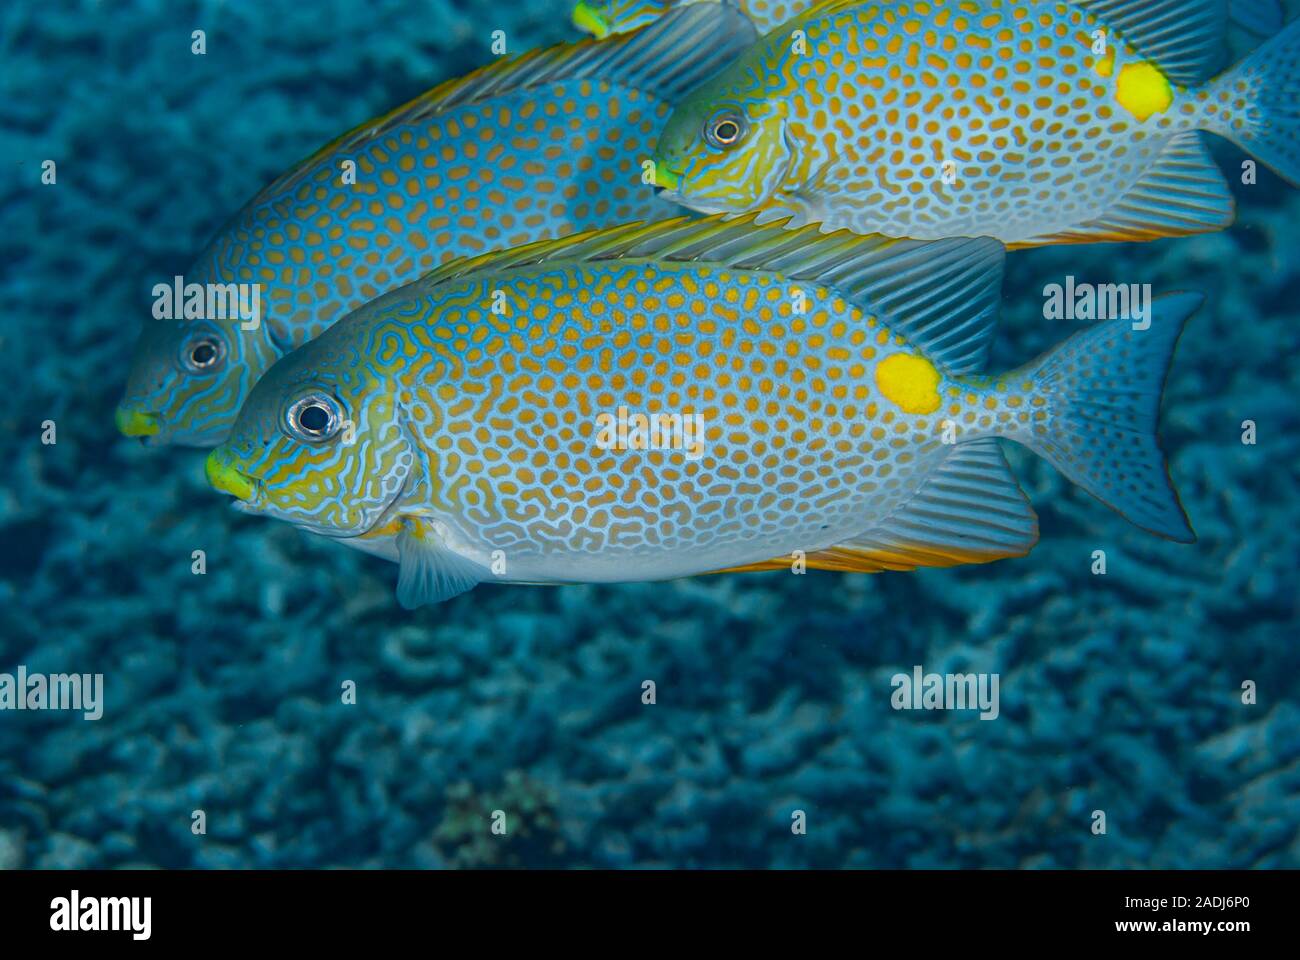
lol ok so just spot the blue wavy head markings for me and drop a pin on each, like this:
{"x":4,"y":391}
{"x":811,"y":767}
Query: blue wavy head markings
{"x":319,"y":442}
{"x":448,"y":175}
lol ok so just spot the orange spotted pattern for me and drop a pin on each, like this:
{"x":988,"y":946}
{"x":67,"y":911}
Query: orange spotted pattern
{"x":931,"y":120}
{"x":500,"y":409}
{"x":432,"y":182}
{"x":525,"y":166}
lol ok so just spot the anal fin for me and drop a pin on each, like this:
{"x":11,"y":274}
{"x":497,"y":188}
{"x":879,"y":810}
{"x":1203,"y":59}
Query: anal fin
{"x":1183,"y":193}
{"x":970,"y":510}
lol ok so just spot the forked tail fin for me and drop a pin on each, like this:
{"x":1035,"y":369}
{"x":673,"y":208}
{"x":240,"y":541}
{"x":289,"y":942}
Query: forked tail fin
{"x":1101,"y":391}
{"x":1258,"y":104}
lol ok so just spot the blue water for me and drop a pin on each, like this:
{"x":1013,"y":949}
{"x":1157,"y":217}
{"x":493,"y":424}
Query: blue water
{"x":1120,"y":693}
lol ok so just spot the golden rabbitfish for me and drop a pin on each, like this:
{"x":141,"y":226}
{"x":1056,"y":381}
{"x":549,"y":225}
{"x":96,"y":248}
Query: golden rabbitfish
{"x":1031,"y":122}
{"x":654,"y":401}
{"x":541,"y":145}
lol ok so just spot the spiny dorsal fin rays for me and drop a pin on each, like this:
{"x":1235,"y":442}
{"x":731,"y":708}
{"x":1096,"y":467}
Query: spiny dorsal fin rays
{"x":572,"y":247}
{"x":1184,"y":38}
{"x":666,"y":58}
{"x":941,"y":295}
{"x":720,"y":239}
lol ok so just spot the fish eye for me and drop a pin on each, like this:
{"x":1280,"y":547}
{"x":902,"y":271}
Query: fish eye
{"x":723,"y":130}
{"x":203,"y":354}
{"x":313,"y":418}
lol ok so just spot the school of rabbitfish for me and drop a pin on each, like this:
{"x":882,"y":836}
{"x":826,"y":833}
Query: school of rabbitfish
{"x":714,"y":289}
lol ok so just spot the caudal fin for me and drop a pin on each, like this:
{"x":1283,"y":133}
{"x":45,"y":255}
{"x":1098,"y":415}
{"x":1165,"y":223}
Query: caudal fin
{"x":1259,"y":104}
{"x":1101,"y":392}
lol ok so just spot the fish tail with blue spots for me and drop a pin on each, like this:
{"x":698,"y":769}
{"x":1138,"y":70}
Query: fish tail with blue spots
{"x":1257,"y":104}
{"x":1091,"y":406}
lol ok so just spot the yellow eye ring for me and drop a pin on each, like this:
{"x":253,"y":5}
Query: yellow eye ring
{"x":725,"y":129}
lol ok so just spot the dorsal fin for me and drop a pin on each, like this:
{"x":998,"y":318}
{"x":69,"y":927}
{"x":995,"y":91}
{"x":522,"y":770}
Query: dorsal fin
{"x":1183,"y":37}
{"x":667,"y":58}
{"x":941,"y":295}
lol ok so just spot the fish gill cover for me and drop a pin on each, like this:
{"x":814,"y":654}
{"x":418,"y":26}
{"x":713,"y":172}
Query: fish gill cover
{"x":263,"y":701}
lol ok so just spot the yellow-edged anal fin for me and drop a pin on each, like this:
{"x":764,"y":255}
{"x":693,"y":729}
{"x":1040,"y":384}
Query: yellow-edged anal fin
{"x":1182,"y":193}
{"x":1143,"y":90}
{"x":902,"y":556}
{"x":848,"y":558}
{"x":776,"y":563}
{"x":969,"y":510}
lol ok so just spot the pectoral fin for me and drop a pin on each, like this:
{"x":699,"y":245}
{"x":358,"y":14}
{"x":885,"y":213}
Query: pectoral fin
{"x":430,"y":571}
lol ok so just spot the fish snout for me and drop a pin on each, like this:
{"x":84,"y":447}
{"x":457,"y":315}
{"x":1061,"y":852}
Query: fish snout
{"x":666,"y":178}
{"x":132,"y":421}
{"x":227,"y":478}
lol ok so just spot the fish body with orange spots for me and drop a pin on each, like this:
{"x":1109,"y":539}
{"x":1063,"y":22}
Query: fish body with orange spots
{"x":1030,"y":122}
{"x":541,"y":145}
{"x":656,"y":401}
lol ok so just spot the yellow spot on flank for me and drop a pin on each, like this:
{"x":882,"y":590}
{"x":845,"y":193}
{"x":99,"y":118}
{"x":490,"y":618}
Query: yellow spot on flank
{"x":1142,"y":90}
{"x":910,"y":382}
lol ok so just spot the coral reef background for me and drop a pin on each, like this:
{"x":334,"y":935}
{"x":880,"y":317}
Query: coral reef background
{"x":1119,"y":693}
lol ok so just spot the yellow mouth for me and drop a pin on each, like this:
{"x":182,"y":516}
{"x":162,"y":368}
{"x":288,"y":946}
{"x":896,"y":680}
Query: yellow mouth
{"x":222,"y":476}
{"x":664,"y":177}
{"x":589,"y":21}
{"x":136,"y":423}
